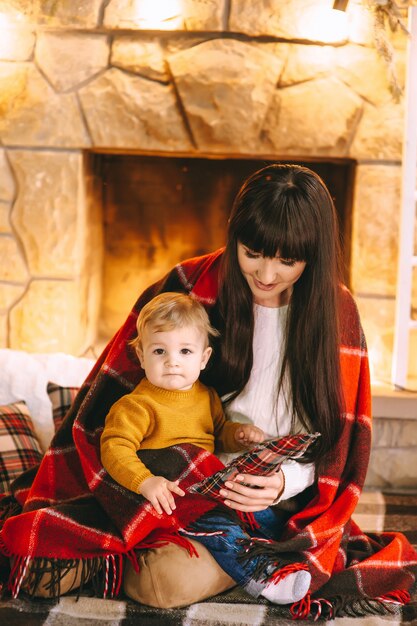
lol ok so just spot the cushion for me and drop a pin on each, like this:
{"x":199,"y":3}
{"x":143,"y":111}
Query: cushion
{"x":24,"y":376}
{"x":19,"y":446}
{"x":261,"y":460}
{"x":61,"y":399}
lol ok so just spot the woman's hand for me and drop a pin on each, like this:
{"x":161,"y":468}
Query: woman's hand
{"x":262,"y":492}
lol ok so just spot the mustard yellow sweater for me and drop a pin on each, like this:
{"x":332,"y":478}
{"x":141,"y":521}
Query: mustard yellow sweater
{"x":150,"y":417}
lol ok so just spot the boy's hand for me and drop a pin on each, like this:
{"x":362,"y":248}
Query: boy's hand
{"x":158,"y":490}
{"x":247,"y":433}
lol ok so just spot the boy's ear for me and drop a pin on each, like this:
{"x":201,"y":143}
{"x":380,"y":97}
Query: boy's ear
{"x":139,"y":352}
{"x":206,"y":355}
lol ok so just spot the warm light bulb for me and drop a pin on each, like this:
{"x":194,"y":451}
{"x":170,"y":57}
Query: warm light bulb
{"x":7,"y":38}
{"x":17,"y":38}
{"x":9,"y":20}
{"x":324,"y":24}
{"x":159,"y":15}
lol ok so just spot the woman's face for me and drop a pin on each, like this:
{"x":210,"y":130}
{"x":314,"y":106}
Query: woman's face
{"x":270,"y":280}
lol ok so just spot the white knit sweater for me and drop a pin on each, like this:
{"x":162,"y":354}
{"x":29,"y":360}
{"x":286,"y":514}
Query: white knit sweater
{"x":257,"y":403}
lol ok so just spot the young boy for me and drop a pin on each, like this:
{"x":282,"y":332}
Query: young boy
{"x":169,"y":406}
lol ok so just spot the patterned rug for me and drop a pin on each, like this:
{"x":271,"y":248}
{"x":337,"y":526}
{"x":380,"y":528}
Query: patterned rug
{"x":376,"y":512}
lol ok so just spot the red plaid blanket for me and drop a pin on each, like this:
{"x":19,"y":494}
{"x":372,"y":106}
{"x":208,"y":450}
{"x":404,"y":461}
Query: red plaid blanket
{"x":71,"y":510}
{"x":260,"y":460}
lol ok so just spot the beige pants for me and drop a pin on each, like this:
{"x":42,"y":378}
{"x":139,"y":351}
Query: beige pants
{"x":169,"y":577}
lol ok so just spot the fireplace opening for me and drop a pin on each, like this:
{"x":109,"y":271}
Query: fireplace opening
{"x":160,"y":210}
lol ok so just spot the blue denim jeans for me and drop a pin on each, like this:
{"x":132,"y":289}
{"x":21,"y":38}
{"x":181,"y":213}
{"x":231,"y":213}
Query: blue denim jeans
{"x":225,"y":547}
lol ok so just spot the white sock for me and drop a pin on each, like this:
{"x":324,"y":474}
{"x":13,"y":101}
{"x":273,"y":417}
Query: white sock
{"x":291,"y":589}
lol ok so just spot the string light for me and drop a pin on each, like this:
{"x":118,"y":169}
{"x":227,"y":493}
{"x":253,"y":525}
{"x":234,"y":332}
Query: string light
{"x":159,"y":15}
{"x":8,"y":40}
{"x":323,"y":24}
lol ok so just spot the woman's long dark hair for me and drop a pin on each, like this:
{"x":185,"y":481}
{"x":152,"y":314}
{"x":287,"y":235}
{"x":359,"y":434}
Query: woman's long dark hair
{"x":287,"y":209}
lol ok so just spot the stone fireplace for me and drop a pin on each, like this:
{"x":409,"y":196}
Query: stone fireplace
{"x":85,"y":83}
{"x":159,"y":210}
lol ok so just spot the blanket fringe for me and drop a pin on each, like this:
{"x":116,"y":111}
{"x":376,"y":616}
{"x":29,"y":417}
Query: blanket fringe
{"x":9,"y":507}
{"x":398,"y":596}
{"x":113,"y":575}
{"x":248,"y":519}
{"x":268,"y":562}
{"x":18,"y":574}
{"x":323,"y":608}
{"x":201,"y":533}
{"x":243,"y":519}
{"x":133,"y":558}
{"x":104,"y":573}
{"x":4,"y":551}
{"x":283,"y":572}
{"x":159,"y":539}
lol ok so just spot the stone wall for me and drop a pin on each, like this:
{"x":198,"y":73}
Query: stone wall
{"x":394,"y":451}
{"x":218,"y":77}
{"x":394,"y":441}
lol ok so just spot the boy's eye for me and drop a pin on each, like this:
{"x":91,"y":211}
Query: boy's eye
{"x":159,"y":351}
{"x":185,"y":351}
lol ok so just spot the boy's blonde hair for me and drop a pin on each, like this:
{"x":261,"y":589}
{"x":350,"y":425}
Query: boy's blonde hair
{"x":172,"y":310}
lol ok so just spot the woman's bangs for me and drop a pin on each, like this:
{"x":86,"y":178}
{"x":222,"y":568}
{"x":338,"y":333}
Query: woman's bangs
{"x":286,"y":235}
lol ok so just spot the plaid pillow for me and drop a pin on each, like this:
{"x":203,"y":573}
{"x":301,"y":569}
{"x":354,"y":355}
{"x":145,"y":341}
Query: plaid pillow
{"x":61,"y":399}
{"x":260,"y":460}
{"x":19,"y":445}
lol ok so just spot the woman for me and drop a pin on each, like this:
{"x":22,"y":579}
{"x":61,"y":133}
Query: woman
{"x":279,"y":281}
{"x":291,"y":357}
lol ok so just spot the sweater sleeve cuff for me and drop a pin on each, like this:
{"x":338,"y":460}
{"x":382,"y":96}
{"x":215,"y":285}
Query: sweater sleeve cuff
{"x":138,"y":480}
{"x":297,"y":477}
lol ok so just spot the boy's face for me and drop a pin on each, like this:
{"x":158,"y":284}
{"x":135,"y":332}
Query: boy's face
{"x":173,"y":359}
